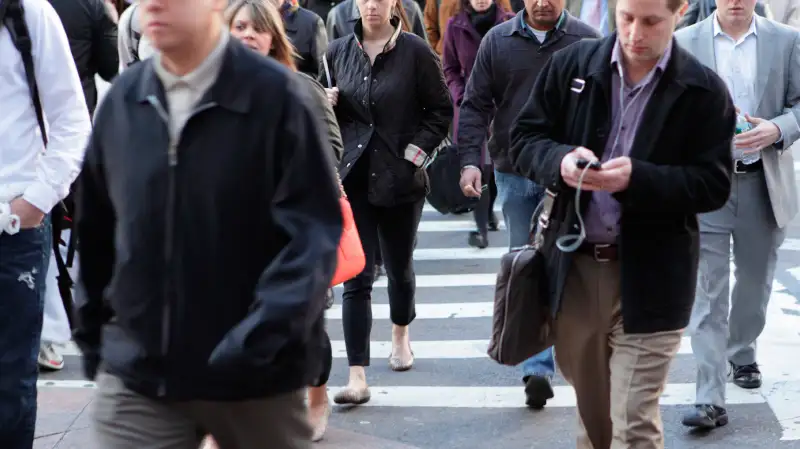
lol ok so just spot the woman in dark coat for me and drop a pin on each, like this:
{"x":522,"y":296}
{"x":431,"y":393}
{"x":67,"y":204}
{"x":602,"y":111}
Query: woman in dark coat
{"x":462,"y":37}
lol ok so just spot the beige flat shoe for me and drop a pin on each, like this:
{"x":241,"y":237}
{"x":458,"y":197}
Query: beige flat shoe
{"x":398,"y":364}
{"x":350,"y":396}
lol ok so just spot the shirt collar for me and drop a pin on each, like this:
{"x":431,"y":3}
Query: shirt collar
{"x":199,"y":77}
{"x":718,"y":28}
{"x":660,"y":67}
{"x":530,"y":31}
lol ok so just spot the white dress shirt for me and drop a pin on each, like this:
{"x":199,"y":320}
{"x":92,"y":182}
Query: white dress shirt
{"x":737,"y":65}
{"x":42,"y":177}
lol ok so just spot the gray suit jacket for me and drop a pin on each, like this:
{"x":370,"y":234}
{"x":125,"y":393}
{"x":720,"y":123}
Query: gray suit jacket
{"x":778,"y":99}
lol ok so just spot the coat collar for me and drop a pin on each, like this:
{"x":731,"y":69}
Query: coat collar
{"x":462,"y":19}
{"x":358,"y":33}
{"x":678,"y":68}
{"x":518,"y":24}
{"x":228,"y":91}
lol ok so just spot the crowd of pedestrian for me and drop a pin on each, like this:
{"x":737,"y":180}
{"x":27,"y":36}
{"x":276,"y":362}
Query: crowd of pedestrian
{"x":203,"y":197}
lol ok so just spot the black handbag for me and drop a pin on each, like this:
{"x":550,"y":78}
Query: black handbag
{"x":444,"y":175}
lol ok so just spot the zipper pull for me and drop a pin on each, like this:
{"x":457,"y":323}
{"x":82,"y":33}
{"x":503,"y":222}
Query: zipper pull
{"x":172,"y":154}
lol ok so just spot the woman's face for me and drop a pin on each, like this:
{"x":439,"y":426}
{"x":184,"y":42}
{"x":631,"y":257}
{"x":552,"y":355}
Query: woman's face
{"x":242,"y":29}
{"x":375,"y":12}
{"x":480,"y":5}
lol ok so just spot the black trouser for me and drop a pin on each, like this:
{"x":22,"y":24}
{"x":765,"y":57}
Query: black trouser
{"x":397,"y":227}
{"x":486,"y":204}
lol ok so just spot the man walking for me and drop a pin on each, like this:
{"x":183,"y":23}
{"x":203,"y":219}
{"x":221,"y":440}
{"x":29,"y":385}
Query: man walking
{"x":33,"y":179}
{"x":205,"y":252}
{"x":498,"y":87}
{"x":758,"y":60}
{"x":661,"y":125}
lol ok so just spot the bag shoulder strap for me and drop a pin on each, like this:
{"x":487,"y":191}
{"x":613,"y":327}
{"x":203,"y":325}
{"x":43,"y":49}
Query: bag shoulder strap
{"x":12,"y":15}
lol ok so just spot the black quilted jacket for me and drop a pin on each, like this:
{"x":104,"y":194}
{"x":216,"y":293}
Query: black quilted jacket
{"x":383,"y":108}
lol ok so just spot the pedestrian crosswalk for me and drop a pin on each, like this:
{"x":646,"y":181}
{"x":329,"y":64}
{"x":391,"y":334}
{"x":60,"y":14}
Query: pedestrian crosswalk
{"x":455,"y":287}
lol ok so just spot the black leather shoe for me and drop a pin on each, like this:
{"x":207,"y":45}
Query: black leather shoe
{"x":746,"y":376}
{"x":478,"y":240}
{"x":537,"y":391}
{"x":706,"y":416}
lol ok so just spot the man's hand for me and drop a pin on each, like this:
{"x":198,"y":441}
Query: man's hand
{"x":29,"y":215}
{"x":615,"y":174}
{"x":471,"y":182}
{"x":571,"y":173}
{"x":763,"y":134}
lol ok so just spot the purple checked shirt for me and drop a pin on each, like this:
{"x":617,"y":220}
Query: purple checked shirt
{"x":602,"y":215}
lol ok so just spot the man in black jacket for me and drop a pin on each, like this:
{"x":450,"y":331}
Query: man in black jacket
{"x":91,"y":27}
{"x":206,"y":253}
{"x":661,"y":125}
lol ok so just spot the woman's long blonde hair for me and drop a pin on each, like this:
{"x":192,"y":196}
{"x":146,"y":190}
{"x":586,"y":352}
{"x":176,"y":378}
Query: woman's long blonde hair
{"x":266,"y":18}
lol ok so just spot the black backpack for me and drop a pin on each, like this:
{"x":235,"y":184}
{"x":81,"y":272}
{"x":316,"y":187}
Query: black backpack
{"x":12,"y":15}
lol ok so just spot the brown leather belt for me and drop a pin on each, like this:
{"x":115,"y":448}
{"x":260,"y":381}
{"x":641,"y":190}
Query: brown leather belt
{"x":601,"y":252}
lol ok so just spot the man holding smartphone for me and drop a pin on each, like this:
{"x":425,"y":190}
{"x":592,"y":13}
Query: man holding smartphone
{"x":661,"y":126}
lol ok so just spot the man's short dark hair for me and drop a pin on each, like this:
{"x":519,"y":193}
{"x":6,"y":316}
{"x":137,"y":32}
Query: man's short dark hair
{"x":675,"y":5}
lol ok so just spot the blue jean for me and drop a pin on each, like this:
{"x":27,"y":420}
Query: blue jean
{"x":518,"y":198}
{"x":23,"y":269}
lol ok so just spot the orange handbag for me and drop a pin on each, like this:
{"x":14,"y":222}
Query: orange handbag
{"x":351,"y":260}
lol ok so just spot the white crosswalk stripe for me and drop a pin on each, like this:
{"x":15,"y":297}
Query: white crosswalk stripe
{"x":449,"y":338}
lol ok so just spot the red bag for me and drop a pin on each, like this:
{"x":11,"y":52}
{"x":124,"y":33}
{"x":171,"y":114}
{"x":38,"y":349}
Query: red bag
{"x":351,"y":260}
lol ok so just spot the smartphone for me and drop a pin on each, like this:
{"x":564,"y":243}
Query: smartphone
{"x":582,"y":163}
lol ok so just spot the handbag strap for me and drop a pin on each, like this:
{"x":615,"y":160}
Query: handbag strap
{"x":541,"y":219}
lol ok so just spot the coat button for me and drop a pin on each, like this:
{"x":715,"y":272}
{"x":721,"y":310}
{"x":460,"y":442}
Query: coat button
{"x":365,"y":78}
{"x":349,"y":164}
{"x":359,"y":145}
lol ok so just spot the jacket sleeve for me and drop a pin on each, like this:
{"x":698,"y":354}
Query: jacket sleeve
{"x":437,"y":107}
{"x":703,"y":183}
{"x":104,"y":43}
{"x":788,"y":122}
{"x":534,"y":151}
{"x":95,"y":224}
{"x":477,"y":106}
{"x":431,"y":19}
{"x":451,"y":66}
{"x":328,"y":116}
{"x":290,"y":293}
{"x":319,"y":44}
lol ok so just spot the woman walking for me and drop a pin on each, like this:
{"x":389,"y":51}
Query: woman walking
{"x":258,"y":25}
{"x":462,"y":38}
{"x":394,"y":109}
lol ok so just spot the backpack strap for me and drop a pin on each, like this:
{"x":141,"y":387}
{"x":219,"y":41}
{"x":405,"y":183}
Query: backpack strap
{"x":133,"y":35}
{"x":12,"y":15}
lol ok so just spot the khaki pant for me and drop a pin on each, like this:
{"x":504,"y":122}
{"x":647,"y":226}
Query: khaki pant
{"x":123,"y":419}
{"x":618,"y":378}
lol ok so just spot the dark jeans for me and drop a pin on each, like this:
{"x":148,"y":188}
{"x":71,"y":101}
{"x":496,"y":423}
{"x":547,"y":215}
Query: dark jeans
{"x":485,"y":206}
{"x":397,"y":228}
{"x":23,"y":269}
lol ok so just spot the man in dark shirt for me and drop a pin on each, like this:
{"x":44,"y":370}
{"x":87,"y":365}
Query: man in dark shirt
{"x":91,"y":27}
{"x":510,"y":58}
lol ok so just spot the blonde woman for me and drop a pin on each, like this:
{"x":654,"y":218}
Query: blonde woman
{"x":258,"y":24}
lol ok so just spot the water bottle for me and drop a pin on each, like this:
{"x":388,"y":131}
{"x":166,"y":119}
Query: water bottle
{"x":743,"y":125}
